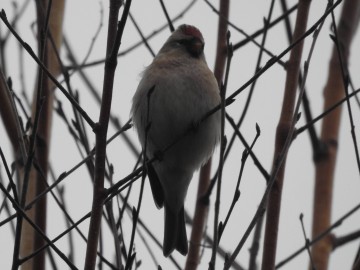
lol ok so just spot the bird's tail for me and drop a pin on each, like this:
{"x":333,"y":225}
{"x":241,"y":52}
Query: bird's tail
{"x":174,"y":232}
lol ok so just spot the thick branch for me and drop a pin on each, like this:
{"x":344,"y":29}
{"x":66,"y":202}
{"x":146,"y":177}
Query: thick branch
{"x":283,"y":131}
{"x":325,"y":164}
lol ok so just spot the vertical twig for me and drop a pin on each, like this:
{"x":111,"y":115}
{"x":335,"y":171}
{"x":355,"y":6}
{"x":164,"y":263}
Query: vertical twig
{"x":258,"y":63}
{"x":202,"y":207}
{"x":113,"y":44}
{"x":219,"y":227}
{"x":307,"y":241}
{"x":136,"y":212}
{"x":254,"y":249}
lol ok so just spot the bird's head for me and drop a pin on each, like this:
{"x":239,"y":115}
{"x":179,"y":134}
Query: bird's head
{"x":185,"y":39}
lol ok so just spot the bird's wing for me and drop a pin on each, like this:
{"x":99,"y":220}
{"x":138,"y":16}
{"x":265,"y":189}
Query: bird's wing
{"x":156,"y":187}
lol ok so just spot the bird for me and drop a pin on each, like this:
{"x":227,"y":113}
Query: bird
{"x":174,"y":93}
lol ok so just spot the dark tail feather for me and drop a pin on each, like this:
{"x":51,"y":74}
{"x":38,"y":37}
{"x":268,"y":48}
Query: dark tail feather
{"x":174,"y":232}
{"x":182,"y":242}
{"x":155,"y":185}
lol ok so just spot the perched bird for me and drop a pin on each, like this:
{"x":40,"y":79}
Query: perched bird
{"x":183,"y":90}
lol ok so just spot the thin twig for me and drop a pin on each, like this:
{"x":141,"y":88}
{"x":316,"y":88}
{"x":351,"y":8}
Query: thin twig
{"x":326,"y":112}
{"x":254,"y":249}
{"x":307,"y":241}
{"x":223,"y":46}
{"x":146,"y":43}
{"x":136,"y":211}
{"x":336,"y":224}
{"x":247,"y":103}
{"x":236,"y":196}
{"x":45,"y":70}
{"x":139,"y":43}
{"x":249,"y":37}
{"x":345,"y":76}
{"x":274,"y":60}
{"x":172,"y":29}
{"x":21,"y":212}
{"x":114,"y":120}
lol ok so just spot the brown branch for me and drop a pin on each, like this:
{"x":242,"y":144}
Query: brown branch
{"x":284,"y":129}
{"x":113,"y":44}
{"x":325,"y":164}
{"x":261,"y":209}
{"x":200,"y":217}
{"x":26,"y":239}
{"x":56,"y":15}
{"x":202,"y":207}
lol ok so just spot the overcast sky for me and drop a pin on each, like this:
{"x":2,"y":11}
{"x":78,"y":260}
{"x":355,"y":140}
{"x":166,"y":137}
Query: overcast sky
{"x":82,"y":18}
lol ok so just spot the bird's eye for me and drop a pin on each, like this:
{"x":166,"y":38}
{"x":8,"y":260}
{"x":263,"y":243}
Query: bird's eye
{"x":181,"y":42}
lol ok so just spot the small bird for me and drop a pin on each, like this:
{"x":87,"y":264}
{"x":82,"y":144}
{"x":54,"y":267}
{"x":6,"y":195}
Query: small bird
{"x":183,"y":90}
